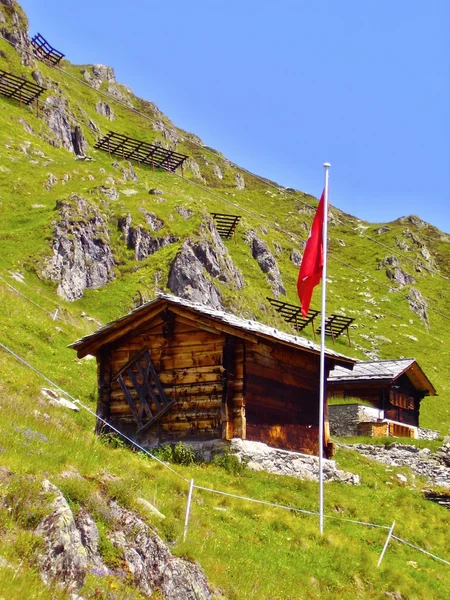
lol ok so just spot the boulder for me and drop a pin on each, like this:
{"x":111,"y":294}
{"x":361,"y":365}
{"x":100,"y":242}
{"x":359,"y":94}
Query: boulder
{"x":266,"y":262}
{"x":239,"y":181}
{"x":64,"y":558}
{"x":418,"y":305}
{"x":81,"y":255}
{"x":104,"y":109}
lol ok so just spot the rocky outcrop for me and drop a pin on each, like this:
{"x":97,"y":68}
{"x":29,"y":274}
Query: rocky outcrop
{"x":418,"y":305}
{"x":14,"y":28}
{"x":217,"y":172}
{"x":394,"y":272}
{"x":151,"y":564}
{"x":78,"y":141}
{"x":169,"y":133}
{"x":59,"y":120}
{"x":97,"y":74}
{"x":81,"y":257}
{"x":239,"y":181}
{"x":142,"y":241}
{"x":194,"y":168}
{"x":266,"y":262}
{"x":296,"y":257}
{"x":71,"y":548}
{"x":435,"y":467}
{"x":64,"y":559}
{"x":187,"y":277}
{"x":105,"y":110}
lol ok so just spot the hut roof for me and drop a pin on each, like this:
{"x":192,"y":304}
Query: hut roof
{"x":205,"y":316}
{"x":384,"y":371}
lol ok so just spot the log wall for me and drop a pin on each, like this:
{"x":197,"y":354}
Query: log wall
{"x":189,"y":365}
{"x":282,"y":397}
{"x":221,"y":386}
{"x":189,"y":361}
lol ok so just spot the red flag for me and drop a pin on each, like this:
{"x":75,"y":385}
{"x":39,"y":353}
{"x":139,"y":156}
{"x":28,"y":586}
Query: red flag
{"x":312,"y":262}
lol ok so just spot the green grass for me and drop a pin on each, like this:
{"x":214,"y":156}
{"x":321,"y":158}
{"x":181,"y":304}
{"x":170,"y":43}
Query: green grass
{"x":281,"y":553}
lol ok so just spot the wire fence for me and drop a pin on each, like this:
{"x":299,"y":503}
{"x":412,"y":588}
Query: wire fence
{"x":193,"y":487}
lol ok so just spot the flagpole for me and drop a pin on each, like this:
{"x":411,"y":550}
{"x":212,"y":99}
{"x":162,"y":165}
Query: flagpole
{"x":322,"y":345}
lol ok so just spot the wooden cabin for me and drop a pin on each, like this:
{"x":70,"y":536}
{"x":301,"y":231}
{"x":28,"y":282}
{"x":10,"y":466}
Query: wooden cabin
{"x":173,"y":370}
{"x":390,"y":393}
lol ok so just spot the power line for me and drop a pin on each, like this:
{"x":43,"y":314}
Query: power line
{"x":236,"y":205}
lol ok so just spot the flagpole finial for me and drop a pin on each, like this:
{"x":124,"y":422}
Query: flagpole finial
{"x":326,"y":165}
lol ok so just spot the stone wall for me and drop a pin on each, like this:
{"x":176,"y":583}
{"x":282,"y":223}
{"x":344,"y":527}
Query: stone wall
{"x":345,"y":418}
{"x":427,"y":434}
{"x":261,"y":457}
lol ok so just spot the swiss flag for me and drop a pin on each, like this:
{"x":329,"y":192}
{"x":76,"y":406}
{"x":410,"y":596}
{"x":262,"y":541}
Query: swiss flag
{"x":312,"y":262}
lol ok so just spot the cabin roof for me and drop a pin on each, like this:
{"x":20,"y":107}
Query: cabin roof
{"x":384,"y":371}
{"x":222,"y":320}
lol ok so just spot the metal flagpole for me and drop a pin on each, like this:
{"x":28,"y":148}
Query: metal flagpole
{"x":322,"y":345}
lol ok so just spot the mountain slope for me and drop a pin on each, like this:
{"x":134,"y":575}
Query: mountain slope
{"x":87,"y":239}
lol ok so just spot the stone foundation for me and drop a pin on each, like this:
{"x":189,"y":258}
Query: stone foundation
{"x":427,"y":434}
{"x":345,"y":418}
{"x":261,"y":457}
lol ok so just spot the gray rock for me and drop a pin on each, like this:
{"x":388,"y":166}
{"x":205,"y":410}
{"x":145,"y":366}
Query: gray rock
{"x":394,"y":272}
{"x":104,"y":73}
{"x":435,"y":467}
{"x":195,"y":169}
{"x":93,"y":125}
{"x":261,"y":457}
{"x":109,"y":192}
{"x":187,"y":279}
{"x":56,"y":399}
{"x":155,"y":192}
{"x":402,"y":245}
{"x":266,"y":262}
{"x":51,"y":181}
{"x":27,"y":127}
{"x":239,"y":181}
{"x":128,"y":173}
{"x":59,"y":119}
{"x":104,"y":109}
{"x":217,"y":172}
{"x":400,"y":276}
{"x":90,"y":538}
{"x":64,"y":558}
{"x":142,"y":241}
{"x":38,"y":77}
{"x":81,"y":254}
{"x":14,"y":28}
{"x":184,"y":212}
{"x":155,"y":223}
{"x":78,"y":141}
{"x":151,"y":564}
{"x":121,"y":93}
{"x":56,"y":116}
{"x":418,"y":305}
{"x":383,"y":229}
{"x":169,"y":133}
{"x":296,"y":257}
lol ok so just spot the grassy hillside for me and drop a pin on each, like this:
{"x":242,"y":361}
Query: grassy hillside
{"x":247,"y":550}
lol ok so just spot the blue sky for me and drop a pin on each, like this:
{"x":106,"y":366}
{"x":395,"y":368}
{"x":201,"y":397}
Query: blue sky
{"x":282,"y":87}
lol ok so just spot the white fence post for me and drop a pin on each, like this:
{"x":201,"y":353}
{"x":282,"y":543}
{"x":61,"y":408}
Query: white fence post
{"x":188,"y":510}
{"x":385,"y":545}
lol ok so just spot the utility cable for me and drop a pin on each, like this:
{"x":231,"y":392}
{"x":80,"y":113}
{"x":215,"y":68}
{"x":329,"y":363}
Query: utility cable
{"x":236,"y":205}
{"x":165,"y":465}
{"x":76,"y":401}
